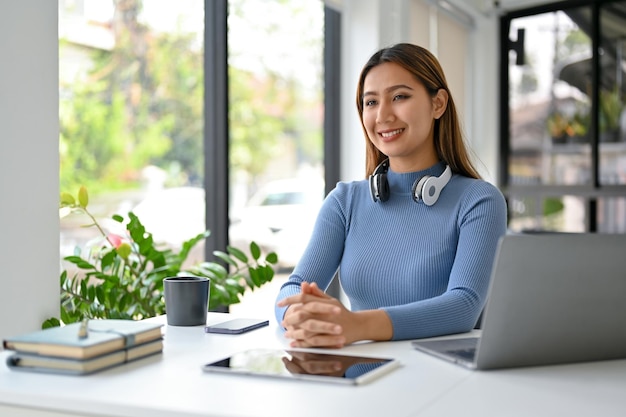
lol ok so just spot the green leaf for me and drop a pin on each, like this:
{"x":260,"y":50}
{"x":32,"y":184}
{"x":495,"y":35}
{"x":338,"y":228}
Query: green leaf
{"x":83,"y":197}
{"x":269,"y":273}
{"x":272,"y":258}
{"x":225,"y":257}
{"x":220,"y":290}
{"x":191,"y":243}
{"x":91,"y":293}
{"x":118,"y":218}
{"x":146,"y":246}
{"x":214,"y":268}
{"x":255,"y":251}
{"x":100,"y":294}
{"x":237,"y":254}
{"x":249,"y":281}
{"x":67,"y":199}
{"x":51,"y":322}
{"x":108,"y":259}
{"x":79,"y":262}
{"x":254,"y":276}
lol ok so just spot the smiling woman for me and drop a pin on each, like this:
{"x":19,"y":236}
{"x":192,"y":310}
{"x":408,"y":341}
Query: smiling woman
{"x":411,"y":267}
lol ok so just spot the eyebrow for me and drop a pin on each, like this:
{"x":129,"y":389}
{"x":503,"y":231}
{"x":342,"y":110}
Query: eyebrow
{"x":388,"y":89}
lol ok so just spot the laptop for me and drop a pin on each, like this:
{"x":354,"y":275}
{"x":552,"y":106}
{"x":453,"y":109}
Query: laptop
{"x":553,"y":299}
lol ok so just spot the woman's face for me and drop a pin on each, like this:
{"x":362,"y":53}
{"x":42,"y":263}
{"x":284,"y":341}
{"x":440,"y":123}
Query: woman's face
{"x":399,"y":116}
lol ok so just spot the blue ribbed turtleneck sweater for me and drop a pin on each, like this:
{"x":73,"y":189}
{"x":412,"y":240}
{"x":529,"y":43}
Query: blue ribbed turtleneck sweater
{"x":428,"y":267}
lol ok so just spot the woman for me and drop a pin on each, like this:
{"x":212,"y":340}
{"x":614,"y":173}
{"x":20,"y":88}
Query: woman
{"x":414,"y":260}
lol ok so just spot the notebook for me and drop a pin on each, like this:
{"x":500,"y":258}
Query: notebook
{"x":60,"y":365}
{"x":86,"y":339}
{"x":553,"y":299}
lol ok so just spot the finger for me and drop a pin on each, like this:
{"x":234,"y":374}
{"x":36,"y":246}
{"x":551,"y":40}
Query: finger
{"x":294,"y":299}
{"x":317,"y":317}
{"x":312,"y":289}
{"x":320,"y":308}
{"x":301,"y":299}
{"x":313,"y":327}
{"x":317,"y":290}
{"x":287,"y":301}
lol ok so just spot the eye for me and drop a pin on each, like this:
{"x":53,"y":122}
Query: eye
{"x":369,"y":103}
{"x":400,"y":97}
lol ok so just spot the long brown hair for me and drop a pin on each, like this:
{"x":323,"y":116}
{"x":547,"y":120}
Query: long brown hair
{"x":447,"y":131}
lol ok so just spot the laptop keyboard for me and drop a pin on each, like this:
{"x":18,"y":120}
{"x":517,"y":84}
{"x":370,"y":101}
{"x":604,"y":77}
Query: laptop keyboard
{"x":467,"y":354}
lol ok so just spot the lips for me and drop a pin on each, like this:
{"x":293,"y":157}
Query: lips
{"x":390,"y":134}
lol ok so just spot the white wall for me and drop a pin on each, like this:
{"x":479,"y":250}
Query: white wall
{"x":29,"y":165}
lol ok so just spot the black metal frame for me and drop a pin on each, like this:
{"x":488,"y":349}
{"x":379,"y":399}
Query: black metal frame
{"x":216,"y":124}
{"x":332,"y":108}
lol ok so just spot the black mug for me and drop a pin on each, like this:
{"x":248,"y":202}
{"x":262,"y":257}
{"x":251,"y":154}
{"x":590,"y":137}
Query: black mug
{"x":186,"y":300}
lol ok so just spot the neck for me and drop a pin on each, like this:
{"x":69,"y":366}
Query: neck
{"x":400,"y":165}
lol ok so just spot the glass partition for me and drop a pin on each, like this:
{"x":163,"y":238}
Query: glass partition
{"x":565,"y":146}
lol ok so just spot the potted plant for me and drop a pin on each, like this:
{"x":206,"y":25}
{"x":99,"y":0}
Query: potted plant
{"x":558,"y":125}
{"x":122,"y":276}
{"x":579,"y":127}
{"x":569,"y":129}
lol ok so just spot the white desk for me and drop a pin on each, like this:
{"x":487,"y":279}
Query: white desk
{"x":172,"y":384}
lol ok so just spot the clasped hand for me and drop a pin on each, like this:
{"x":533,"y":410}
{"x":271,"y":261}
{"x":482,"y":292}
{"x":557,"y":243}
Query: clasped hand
{"x":315,"y":319}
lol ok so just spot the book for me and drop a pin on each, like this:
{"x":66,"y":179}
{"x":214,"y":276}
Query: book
{"x":50,"y":364}
{"x":87,"y":339}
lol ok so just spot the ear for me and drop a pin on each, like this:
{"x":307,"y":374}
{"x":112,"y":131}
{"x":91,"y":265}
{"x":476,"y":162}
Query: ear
{"x":440,"y":103}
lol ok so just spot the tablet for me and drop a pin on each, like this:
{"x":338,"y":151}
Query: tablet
{"x":308,"y":365}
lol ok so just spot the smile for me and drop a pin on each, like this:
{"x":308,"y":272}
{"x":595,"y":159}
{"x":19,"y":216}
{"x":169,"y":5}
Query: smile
{"x":392,"y":133}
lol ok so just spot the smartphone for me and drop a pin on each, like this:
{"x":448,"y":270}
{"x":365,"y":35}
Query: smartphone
{"x":236,"y":326}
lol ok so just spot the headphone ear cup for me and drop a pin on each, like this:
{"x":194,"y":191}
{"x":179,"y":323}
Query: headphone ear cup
{"x":373,"y":188}
{"x":383,"y":187}
{"x":379,"y":187}
{"x":429,"y":187}
{"x":418,"y":188}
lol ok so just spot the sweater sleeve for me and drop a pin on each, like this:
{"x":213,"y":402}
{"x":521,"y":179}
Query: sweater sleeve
{"x":481,"y":223}
{"x":322,"y":256}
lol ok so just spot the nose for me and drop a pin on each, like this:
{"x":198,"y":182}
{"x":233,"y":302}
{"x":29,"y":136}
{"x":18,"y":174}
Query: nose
{"x":385,"y":113}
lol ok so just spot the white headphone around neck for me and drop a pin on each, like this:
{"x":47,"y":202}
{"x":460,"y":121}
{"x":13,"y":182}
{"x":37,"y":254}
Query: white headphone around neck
{"x":426,"y":188}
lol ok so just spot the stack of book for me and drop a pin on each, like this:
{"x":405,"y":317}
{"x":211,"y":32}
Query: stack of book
{"x":84,"y":348}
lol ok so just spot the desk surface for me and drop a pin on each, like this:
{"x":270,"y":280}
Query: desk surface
{"x":173,"y":384}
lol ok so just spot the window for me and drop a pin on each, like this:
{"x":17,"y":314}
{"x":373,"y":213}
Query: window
{"x":139,"y":131}
{"x":564,"y":124}
{"x":276,"y":116}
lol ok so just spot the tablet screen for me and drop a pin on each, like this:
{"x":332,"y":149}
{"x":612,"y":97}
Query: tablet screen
{"x":301,"y":364}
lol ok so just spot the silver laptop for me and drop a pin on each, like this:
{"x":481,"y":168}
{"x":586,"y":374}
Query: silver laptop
{"x":553,"y":299}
